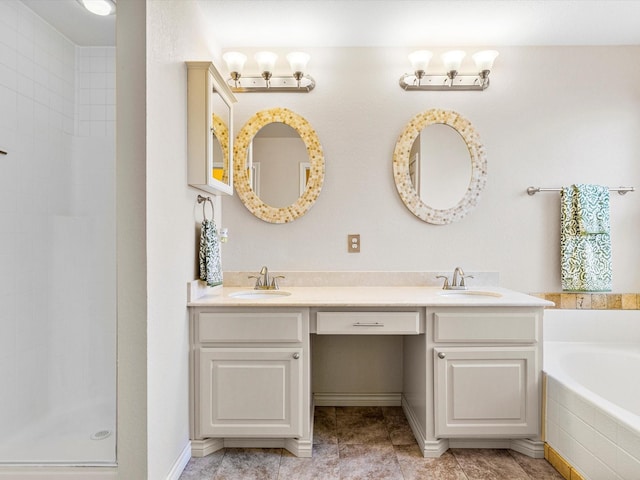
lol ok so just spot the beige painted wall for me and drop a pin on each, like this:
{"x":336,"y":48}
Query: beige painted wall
{"x":131,"y":227}
{"x":553,"y":116}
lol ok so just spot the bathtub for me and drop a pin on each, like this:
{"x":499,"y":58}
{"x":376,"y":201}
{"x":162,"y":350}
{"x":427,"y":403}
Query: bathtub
{"x":592,"y":365}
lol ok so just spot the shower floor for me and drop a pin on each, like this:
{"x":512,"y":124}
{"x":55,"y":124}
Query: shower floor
{"x":84,"y":436}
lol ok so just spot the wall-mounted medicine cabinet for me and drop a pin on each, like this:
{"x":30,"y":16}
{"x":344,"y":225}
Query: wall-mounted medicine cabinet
{"x":209,"y":129}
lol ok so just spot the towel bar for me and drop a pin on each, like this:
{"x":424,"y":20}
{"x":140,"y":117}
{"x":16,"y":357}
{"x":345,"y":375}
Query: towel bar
{"x":620,"y":190}
{"x":203,"y":201}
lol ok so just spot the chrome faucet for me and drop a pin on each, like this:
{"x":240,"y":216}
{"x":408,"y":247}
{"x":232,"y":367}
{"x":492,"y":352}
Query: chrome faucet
{"x":264,"y":271}
{"x":264,"y":282}
{"x":454,"y":281}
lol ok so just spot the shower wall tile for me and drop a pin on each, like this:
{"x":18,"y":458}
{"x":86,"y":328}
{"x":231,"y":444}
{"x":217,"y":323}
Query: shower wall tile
{"x":96,"y":91}
{"x":37,"y":120}
{"x":8,"y":14}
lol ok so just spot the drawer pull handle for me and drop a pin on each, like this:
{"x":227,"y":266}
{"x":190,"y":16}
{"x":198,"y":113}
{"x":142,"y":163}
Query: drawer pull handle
{"x":441,"y":355}
{"x":296,"y":356}
{"x":368,"y":324}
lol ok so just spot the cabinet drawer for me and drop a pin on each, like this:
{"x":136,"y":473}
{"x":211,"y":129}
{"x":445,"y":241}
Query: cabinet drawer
{"x":479,"y":327}
{"x":250,"y":327}
{"x":368,"y":323}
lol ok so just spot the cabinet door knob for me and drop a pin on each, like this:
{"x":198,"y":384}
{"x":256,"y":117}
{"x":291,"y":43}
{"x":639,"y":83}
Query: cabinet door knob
{"x":296,"y":356}
{"x":441,"y":355}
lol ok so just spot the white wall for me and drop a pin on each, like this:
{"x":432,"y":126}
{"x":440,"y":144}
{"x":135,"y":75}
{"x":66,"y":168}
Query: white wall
{"x":553,"y":116}
{"x":175,"y":35}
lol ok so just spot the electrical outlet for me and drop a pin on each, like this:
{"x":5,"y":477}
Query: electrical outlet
{"x":353,"y":243}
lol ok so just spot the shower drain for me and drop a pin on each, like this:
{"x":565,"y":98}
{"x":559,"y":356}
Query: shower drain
{"x":101,"y":435}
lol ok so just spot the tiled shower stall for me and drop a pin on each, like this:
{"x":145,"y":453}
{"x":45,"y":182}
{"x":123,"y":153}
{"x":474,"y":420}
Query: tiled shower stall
{"x":57,"y":245}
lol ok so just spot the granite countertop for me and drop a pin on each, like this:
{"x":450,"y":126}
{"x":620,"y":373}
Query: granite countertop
{"x":369,"y":296}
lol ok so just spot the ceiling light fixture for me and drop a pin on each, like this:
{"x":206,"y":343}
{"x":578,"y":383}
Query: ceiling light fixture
{"x":267,"y":81}
{"x":99,"y":7}
{"x":451,"y":79}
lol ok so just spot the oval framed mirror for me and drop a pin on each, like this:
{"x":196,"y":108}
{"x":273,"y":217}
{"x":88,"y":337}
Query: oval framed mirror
{"x":409,"y":166}
{"x":249,"y":169}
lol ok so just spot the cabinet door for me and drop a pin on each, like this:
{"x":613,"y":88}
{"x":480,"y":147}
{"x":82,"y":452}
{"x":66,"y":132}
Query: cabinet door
{"x":209,"y":129}
{"x":486,"y":392}
{"x":251,"y":392}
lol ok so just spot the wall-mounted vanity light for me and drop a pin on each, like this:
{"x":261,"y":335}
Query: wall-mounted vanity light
{"x":267,"y":82}
{"x":451,"y":79}
{"x":99,"y":7}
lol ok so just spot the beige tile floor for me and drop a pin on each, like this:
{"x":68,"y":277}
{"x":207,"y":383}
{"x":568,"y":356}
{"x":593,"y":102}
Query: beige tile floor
{"x":373,"y":443}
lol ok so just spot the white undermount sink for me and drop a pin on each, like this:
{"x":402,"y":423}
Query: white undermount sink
{"x":469,"y":293}
{"x":254,"y":294}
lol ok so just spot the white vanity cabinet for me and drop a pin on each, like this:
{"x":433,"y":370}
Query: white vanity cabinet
{"x":250,"y":377}
{"x":466,"y":369}
{"x":486,"y":371}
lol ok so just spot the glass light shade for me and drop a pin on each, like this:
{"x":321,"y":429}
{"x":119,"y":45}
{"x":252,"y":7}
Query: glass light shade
{"x":235,"y":61}
{"x":452,"y":60}
{"x":484,"y":59}
{"x":420,"y":60}
{"x":298,"y":61}
{"x":99,"y":7}
{"x":266,"y":61}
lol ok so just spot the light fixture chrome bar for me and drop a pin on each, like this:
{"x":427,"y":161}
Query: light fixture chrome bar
{"x":276,"y":84}
{"x":443,"y":82}
{"x":534,"y":190}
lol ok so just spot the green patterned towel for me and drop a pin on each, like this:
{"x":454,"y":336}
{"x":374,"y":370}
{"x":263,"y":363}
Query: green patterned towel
{"x":585,"y":242}
{"x":592,"y":208}
{"x":210,"y":263}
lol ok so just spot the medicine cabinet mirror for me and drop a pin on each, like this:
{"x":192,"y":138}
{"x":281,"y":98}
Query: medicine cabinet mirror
{"x":279,"y":165}
{"x":210,"y":140}
{"x":439,"y":166}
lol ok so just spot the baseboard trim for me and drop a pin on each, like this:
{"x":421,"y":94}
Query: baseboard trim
{"x":202,"y":448}
{"x":180,"y":463}
{"x":300,"y":448}
{"x":357,"y":399}
{"x":429,"y":449}
{"x":253,"y":442}
{"x":497,"y":443}
{"x":435,"y":448}
{"x":528,"y":447}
